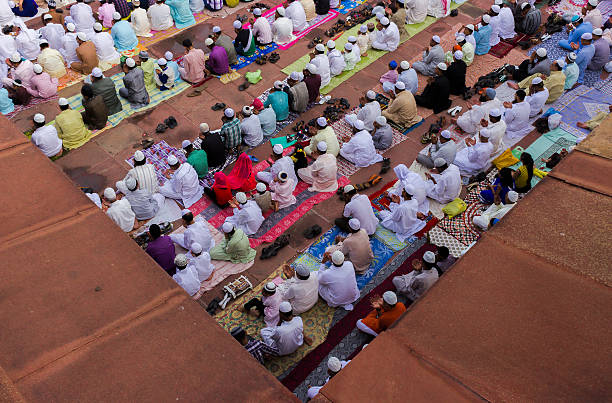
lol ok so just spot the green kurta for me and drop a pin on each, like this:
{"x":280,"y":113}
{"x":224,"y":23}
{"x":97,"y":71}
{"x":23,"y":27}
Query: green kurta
{"x":199,"y":161}
{"x":555,"y":83}
{"x":148,"y":68}
{"x":71,"y":129}
{"x":236,"y":250}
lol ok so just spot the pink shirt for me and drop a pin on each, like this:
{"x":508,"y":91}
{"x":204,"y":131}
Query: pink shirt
{"x":271,"y":305}
{"x":105,"y":12}
{"x":389,"y":76}
{"x":24,"y":72}
{"x":193,"y":66}
{"x":43,"y":85}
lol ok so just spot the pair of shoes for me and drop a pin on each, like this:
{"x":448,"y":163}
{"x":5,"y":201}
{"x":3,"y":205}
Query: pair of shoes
{"x":313,"y":231}
{"x":171,"y":122}
{"x":161,"y":128}
{"x":218,"y":106}
{"x":454,"y":111}
{"x":274,"y":57}
{"x":244,"y":86}
{"x":213,"y":306}
{"x":386,"y":165}
{"x":261,"y":60}
{"x":195,"y":93}
{"x":273,"y":249}
{"x":146,"y":143}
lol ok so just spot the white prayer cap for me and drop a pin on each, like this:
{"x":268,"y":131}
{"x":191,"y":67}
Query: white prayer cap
{"x":278,"y":85}
{"x":381,"y":120}
{"x":237,"y":24}
{"x":281,"y":11}
{"x":130,"y":62}
{"x":607,"y":67}
{"x":409,"y":189}
{"x":285,"y":307}
{"x":495,"y":8}
{"x":442,"y":66}
{"x":278,"y":149}
{"x":498,"y":2}
{"x":486,"y":18}
{"x":208,"y":41}
{"x":378,"y":10}
{"x":352,"y":39}
{"x":484,"y":132}
{"x":337,"y":258}
{"x":446,"y":134}
{"x":247,"y":110}
{"x":282,"y":175}
{"x":458,"y":55}
{"x":241,"y":197}
{"x":331,"y":44}
{"x":400,"y":85}
{"x":379,"y":15}
{"x":322,"y":121}
{"x":130,"y":183}
{"x":536,"y":81}
{"x":354,"y":224}
{"x":320,"y":47}
{"x":302,"y":271}
{"x":587,"y":36}
{"x":96,"y":72}
{"x":524,"y":5}
{"x":116,"y":16}
{"x":70,"y":27}
{"x":470,"y":26}
{"x":162,"y":62}
{"x":312,"y":68}
{"x":322,"y":146}
{"x":560,"y":63}
{"x":405,"y":65}
{"x":109,"y":194}
{"x":359,"y":125}
{"x":172,"y":160}
{"x":196,"y":248}
{"x":348,"y":46}
{"x":97,"y":27}
{"x":261,"y":187}
{"x":495,"y":112}
{"x":136,"y":2}
{"x":334,"y":364}
{"x":257,"y":12}
{"x":363,"y":29}
{"x":216,"y":29}
{"x":204,"y":128}
{"x":62,"y":102}
{"x":39,"y":118}
{"x":47,"y":17}
{"x":438,"y":162}
{"x":168,"y":55}
{"x":139,"y":156}
{"x":294,"y":76}
{"x":460,"y":38}
{"x":227,"y":227}
{"x":82,"y":36}
{"x":593,"y":3}
{"x":37,"y":68}
{"x":429,"y":257}
{"x":185,"y":143}
{"x":348,"y":188}
{"x":480,"y":221}
{"x":390,"y":298}
{"x":229,"y":113}
{"x":371,"y":95}
{"x":43,"y":41}
{"x":512,"y":196}
{"x":572,"y":56}
{"x":15,"y":58}
{"x":598,"y":32}
{"x":270,"y":287}
{"x":384,"y":21}
{"x":180,"y":260}
{"x":435,"y":38}
{"x":541,"y":52}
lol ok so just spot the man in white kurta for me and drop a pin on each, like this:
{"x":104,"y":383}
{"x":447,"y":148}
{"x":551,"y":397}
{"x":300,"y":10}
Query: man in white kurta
{"x":474,"y":158}
{"x":140,"y":20}
{"x":506,"y":23}
{"x":538,"y":95}
{"x":160,"y":16}
{"x":7,"y":49}
{"x":247,"y":215}
{"x":52,"y":32}
{"x":289,"y":335}
{"x":483,"y":220}
{"x":360,"y":148}
{"x":70,"y":45}
{"x":45,"y":137}
{"x":321,"y":61}
{"x":387,"y":37}
{"x":414,"y":284}
{"x":338,"y":284}
{"x":185,"y":277}
{"x":336,"y":59}
{"x":495,"y":25}
{"x":196,"y":230}
{"x":282,"y":27}
{"x":105,"y":46}
{"x":350,"y":56}
{"x":368,"y":113}
{"x":321,"y":174}
{"x":182,"y":183}
{"x":301,"y":289}
{"x":27,"y":41}
{"x":403,"y":216}
{"x":470,"y":120}
{"x":497,"y":130}
{"x":360,"y":207}
{"x":281,"y":164}
{"x":120,"y":211}
{"x":444,"y":186}
{"x":82,"y":16}
{"x":416,"y":11}
{"x":516,"y":116}
{"x":199,"y":262}
{"x":295,"y":12}
{"x":408,"y":178}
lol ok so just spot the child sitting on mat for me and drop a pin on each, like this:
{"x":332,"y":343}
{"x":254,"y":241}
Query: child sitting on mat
{"x":263,"y":198}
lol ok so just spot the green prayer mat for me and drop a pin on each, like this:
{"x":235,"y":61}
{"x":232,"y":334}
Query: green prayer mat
{"x":282,"y":141}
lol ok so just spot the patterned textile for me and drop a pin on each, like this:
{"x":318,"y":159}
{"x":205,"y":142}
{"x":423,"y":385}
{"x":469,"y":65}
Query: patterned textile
{"x":161,"y":35}
{"x":506,"y":45}
{"x":230,"y":132}
{"x":71,"y":77}
{"x":573,"y":6}
{"x":244,"y":61}
{"x":346,"y":6}
{"x":579,"y":105}
{"x":33,"y":102}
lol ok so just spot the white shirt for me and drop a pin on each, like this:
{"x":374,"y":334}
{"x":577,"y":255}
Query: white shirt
{"x":140,"y":22}
{"x":495,"y":27}
{"x":6,"y":14}
{"x":322,"y":63}
{"x":188,"y":280}
{"x":494,"y":211}
{"x":517,"y":119}
{"x":336,"y":62}
{"x":83,"y":18}
{"x":360,"y":208}
{"x":472,"y":160}
{"x":121,"y":213}
{"x":338,"y":285}
{"x":248,"y":217}
{"x":447,"y":187}
{"x":45,"y":138}
{"x":198,"y":232}
{"x":402,"y":219}
{"x":69,"y":46}
{"x":282,"y":29}
{"x":284,"y":164}
{"x":185,"y":182}
{"x":200,"y":266}
{"x":289,"y":336}
{"x":302,"y":294}
{"x":295,"y":12}
{"x":496,"y":135}
{"x":53,"y":33}
{"x":416,"y":11}
{"x":28,"y":44}
{"x":368,"y":114}
{"x":351,"y":59}
{"x":160,"y":17}
{"x":360,"y":150}
{"x":262,"y":30}
{"x":105,"y":47}
{"x":506,"y":23}
{"x":471,"y":40}
{"x":536,"y":102}
{"x":407,"y":177}
{"x":469,"y":121}
{"x":7,"y":46}
{"x":387,"y":39}
{"x":416,"y":283}
{"x":252,"y":134}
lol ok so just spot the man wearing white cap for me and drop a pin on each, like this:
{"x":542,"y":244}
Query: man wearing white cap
{"x":26,"y":40}
{"x":455,"y":72}
{"x":262,"y":30}
{"x":363,"y":40}
{"x":282,"y":27}
{"x":529,"y":19}
{"x":86,"y":52}
{"x":405,"y":178}
{"x":368,"y":112}
{"x":482,"y":36}
{"x":196,"y":230}
{"x":160,"y":16}
{"x":432,"y":56}
{"x":230,"y":131}
{"x":466,"y":48}
{"x":288,"y":336}
{"x":497,"y":130}
{"x":442,"y":146}
{"x":516,"y":116}
{"x":470,"y":121}
{"x":336,"y":59}
{"x":321,"y":62}
{"x":134,"y":89}
{"x":355,"y":247}
{"x":602,"y":51}
{"x":199,"y":263}
{"x":357,"y":206}
{"x":234,"y":247}
{"x":496,"y":211}
{"x":554,"y":83}
{"x":297,"y":91}
{"x":360,"y":148}
{"x":350,"y":57}
{"x":403,"y":216}
{"x":313,"y":82}
{"x":436,"y":94}
{"x":19,"y":70}
{"x":268,"y":305}
{"x":45,"y":137}
{"x":295,"y":12}
{"x":443,"y":185}
{"x":196,"y":158}
{"x":321,"y":174}
{"x":140,"y":20}
{"x":163,"y":75}
{"x":334,"y":366}
{"x":495,"y":25}
{"x":403,"y":109}
{"x":245,"y":41}
{"x":538,"y":63}
{"x":70,"y":126}
{"x":217,"y":62}
{"x":51,"y":32}
{"x":281,"y":164}
{"x":468,"y":32}
{"x":424,"y":274}
{"x":592,"y":14}
{"x":144,"y":174}
{"x":105,"y":47}
{"x":182,"y":183}
{"x":506,"y":22}
{"x":247,"y":214}
{"x":323,"y":133}
{"x":416,"y":11}
{"x":338,"y":284}
{"x":538,"y":95}
{"x":185,"y":277}
{"x":106,"y":87}
{"x":279,"y":101}
{"x":386,"y":311}
{"x":282,"y":191}
{"x":123,"y":34}
{"x":407,"y":75}
{"x":82,"y":16}
{"x":42,"y":85}
{"x":387,"y":37}
{"x":250,"y":126}
{"x":120,"y":211}
{"x":144,"y":204}
{"x":585,"y":54}
{"x":383,"y":134}
{"x":301,"y":288}
{"x":474,"y":158}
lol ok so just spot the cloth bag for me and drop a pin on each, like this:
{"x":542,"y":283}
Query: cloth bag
{"x":505,"y":159}
{"x":454,"y":208}
{"x":253,"y":77}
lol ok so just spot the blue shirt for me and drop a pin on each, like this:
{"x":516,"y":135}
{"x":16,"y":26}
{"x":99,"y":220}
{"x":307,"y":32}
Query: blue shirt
{"x":571,"y":72}
{"x":482,"y":38}
{"x":409,"y":77}
{"x":585,"y":54}
{"x":575,"y":35}
{"x":267,"y":119}
{"x":124,"y":36}
{"x":175,"y":67}
{"x":279,"y":100}
{"x":6,"y":104}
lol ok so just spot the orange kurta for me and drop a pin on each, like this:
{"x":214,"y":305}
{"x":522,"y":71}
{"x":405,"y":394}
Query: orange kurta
{"x":386,"y":318}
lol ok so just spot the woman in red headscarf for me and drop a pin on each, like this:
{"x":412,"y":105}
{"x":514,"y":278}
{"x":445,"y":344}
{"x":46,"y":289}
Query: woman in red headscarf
{"x":242,"y":176}
{"x":220,"y":192}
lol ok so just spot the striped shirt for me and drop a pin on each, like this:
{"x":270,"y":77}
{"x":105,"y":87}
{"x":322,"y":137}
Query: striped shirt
{"x":257,"y":349}
{"x":230,"y":131}
{"x":145,"y":176}
{"x":532,"y":22}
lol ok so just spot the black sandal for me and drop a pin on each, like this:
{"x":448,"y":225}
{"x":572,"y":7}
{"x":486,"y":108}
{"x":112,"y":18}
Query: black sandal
{"x":161,"y":128}
{"x":244,"y":86}
{"x":312,"y":232}
{"x":218,"y":106}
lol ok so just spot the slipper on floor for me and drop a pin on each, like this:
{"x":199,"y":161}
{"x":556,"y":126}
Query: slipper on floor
{"x":218,"y":106}
{"x":374,"y":179}
{"x":244,"y":86}
{"x":171,"y":122}
{"x":161,"y":128}
{"x":146,"y":143}
{"x":312,"y":232}
{"x":194,"y":93}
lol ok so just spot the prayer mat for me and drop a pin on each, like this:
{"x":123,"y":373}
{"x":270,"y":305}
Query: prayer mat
{"x":604,"y":86}
{"x":244,"y":61}
{"x":346,"y":6}
{"x":439,"y":237}
{"x":579,"y":105}
{"x":70,"y":78}
{"x":145,"y":43}
{"x":506,"y":45}
{"x":233,"y":75}
{"x":33,"y":102}
{"x":574,"y":6}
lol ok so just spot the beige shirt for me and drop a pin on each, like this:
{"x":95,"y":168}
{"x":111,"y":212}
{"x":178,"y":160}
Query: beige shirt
{"x":356,"y":248}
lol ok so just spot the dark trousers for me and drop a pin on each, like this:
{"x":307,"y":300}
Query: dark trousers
{"x":257,"y":303}
{"x":521,"y":73}
{"x":343,"y":224}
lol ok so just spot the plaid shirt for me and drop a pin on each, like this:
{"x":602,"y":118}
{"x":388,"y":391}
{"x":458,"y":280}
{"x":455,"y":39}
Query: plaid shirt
{"x":122,"y":7}
{"x":257,"y":349}
{"x":230,"y":132}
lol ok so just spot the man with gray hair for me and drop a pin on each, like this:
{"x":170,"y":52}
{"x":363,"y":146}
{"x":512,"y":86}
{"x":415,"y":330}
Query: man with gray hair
{"x":442,"y":146}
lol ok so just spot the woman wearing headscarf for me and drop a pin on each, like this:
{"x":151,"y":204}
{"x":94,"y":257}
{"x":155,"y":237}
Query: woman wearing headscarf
{"x":242,"y":176}
{"x":220,"y":192}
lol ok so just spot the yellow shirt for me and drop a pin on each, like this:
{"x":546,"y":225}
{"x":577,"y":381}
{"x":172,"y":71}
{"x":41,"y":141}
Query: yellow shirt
{"x":71,"y":129}
{"x":52,"y":62}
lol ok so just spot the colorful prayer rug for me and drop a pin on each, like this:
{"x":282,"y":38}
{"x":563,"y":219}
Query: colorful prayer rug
{"x":346,"y":6}
{"x":579,"y":105}
{"x":244,"y":61}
